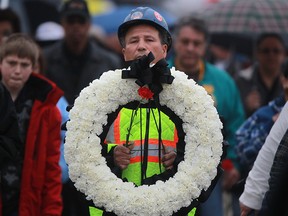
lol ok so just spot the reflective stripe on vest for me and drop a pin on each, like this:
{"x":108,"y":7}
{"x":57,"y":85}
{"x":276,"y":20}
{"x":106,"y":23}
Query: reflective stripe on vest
{"x":118,"y":130}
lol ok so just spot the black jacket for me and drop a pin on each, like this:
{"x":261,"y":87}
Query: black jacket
{"x":249,"y":80}
{"x":276,"y":199}
{"x":9,"y":131}
{"x":72,"y":73}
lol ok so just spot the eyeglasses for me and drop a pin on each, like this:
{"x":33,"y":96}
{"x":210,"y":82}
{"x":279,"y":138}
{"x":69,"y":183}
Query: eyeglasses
{"x":268,"y":51}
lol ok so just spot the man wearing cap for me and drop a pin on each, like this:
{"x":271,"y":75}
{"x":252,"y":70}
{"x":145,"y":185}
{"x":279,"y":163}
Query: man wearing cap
{"x":72,"y":63}
{"x":77,"y":60}
{"x":145,"y":37}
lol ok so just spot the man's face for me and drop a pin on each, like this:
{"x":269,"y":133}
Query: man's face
{"x":15,"y":72}
{"x":190,"y":47}
{"x":270,"y":54}
{"x":76,"y":28}
{"x":142,"y":39}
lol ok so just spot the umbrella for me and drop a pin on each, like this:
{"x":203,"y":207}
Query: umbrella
{"x":237,"y":23}
{"x":248,"y":17}
{"x":239,"y":43}
{"x":111,"y":20}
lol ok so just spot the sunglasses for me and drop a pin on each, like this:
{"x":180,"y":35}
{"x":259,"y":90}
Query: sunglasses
{"x":268,"y":51}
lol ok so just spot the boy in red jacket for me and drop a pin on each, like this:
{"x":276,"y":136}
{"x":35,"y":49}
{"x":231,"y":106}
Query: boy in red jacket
{"x":31,"y":186}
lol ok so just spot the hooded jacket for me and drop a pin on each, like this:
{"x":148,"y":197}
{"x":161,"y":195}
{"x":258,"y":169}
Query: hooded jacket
{"x":40,"y":191}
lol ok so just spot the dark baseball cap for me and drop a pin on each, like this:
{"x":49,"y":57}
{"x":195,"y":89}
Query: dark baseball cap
{"x":75,"y":7}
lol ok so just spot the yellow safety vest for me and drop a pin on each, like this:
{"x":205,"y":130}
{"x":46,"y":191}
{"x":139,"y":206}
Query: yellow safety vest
{"x":117,"y":135}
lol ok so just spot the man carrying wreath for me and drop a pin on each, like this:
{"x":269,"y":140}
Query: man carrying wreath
{"x":145,"y":142}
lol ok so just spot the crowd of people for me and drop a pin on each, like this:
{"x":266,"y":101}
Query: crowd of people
{"x":39,"y":84}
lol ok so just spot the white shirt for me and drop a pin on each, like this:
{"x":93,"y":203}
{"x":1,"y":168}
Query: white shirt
{"x":257,"y":181}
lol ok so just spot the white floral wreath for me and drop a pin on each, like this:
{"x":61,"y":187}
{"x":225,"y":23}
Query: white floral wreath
{"x":92,"y":176}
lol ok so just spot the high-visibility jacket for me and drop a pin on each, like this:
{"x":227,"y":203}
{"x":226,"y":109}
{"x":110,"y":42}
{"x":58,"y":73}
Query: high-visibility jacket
{"x":119,"y":131}
{"x":118,"y":134}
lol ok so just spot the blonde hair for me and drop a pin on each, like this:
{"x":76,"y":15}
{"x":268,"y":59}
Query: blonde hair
{"x":20,"y":45}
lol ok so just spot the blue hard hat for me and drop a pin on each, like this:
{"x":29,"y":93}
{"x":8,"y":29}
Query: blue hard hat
{"x":145,"y":15}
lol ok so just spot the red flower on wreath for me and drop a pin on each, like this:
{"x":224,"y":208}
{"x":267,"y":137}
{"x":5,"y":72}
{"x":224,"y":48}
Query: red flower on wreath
{"x":145,"y":93}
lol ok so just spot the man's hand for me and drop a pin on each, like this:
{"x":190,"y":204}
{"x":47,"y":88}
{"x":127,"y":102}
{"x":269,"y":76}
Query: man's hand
{"x":230,"y":178}
{"x":245,"y":210}
{"x":122,"y":156}
{"x":253,"y":100}
{"x":168,"y":158}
